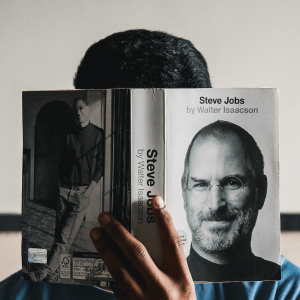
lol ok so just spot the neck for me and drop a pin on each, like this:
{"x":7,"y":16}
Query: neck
{"x":84,"y":124}
{"x":226,"y":257}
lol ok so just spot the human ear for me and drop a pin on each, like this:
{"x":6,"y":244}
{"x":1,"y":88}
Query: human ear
{"x":184,"y":188}
{"x":262,"y":191}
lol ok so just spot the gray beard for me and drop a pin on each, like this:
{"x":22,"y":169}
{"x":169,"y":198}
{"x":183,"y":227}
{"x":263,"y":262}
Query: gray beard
{"x":218,"y":239}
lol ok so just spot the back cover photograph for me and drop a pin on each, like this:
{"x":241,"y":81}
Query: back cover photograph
{"x":70,"y":162}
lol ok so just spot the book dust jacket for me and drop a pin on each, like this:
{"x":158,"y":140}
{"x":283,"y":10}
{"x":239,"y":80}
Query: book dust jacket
{"x":213,"y":155}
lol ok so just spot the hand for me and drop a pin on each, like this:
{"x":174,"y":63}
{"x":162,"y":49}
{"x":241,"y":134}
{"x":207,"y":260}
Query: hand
{"x":172,"y":281}
{"x":87,"y":193}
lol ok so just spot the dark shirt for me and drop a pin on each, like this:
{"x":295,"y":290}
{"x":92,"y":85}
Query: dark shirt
{"x":83,"y":156}
{"x":251,"y":269}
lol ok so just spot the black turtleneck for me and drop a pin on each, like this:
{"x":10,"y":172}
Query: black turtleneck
{"x":252,"y":268}
{"x":83,"y":156}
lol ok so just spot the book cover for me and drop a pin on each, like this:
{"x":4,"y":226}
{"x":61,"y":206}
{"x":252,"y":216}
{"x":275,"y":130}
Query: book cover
{"x":212,"y":154}
{"x":72,"y":141}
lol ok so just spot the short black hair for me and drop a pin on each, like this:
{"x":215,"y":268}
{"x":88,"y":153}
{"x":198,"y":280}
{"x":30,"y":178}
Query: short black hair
{"x":142,"y":59}
{"x":220,"y":130}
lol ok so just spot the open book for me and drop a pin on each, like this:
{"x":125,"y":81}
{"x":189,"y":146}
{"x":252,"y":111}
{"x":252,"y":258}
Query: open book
{"x":211,"y":153}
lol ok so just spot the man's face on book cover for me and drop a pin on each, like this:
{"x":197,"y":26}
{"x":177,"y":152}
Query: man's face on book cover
{"x":219,"y":201}
{"x":81,"y":112}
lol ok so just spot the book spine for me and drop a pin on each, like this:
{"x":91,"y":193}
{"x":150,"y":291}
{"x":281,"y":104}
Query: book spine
{"x":117,"y":156}
{"x":108,"y":165}
{"x":147,"y":166}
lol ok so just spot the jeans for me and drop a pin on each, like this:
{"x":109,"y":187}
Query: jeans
{"x":71,"y":208}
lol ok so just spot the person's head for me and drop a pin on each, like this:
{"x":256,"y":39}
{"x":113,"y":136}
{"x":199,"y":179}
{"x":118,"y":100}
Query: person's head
{"x":81,"y":111}
{"x":223,"y":186}
{"x":142,"y":59}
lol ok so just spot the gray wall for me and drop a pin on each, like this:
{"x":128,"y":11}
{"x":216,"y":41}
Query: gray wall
{"x":246,"y":44}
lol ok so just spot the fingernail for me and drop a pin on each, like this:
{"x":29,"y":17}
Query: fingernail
{"x":96,"y":234}
{"x":105,"y":218}
{"x":159,"y":202}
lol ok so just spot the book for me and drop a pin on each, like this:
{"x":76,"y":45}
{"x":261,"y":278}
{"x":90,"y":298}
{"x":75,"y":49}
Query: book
{"x":213,"y":154}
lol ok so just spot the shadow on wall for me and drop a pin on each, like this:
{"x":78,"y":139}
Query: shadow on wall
{"x":54,"y":121}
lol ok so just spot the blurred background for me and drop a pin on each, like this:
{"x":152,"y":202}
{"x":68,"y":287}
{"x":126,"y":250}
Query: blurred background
{"x":246,"y":44}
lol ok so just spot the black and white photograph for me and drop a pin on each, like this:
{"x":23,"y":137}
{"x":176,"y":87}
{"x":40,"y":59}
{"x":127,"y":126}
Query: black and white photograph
{"x":145,"y":45}
{"x":229,"y":182}
{"x":68,"y":151}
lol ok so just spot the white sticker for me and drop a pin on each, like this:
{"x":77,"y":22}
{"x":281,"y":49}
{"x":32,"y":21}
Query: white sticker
{"x":37,"y":255}
{"x":65,"y":266}
{"x":183,"y":236}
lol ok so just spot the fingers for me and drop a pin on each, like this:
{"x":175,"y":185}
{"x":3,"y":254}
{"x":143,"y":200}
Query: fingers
{"x":171,"y":241}
{"x":115,"y":266}
{"x":132,"y":248}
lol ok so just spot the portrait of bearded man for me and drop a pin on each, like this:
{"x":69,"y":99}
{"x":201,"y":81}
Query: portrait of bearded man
{"x":224,"y":187}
